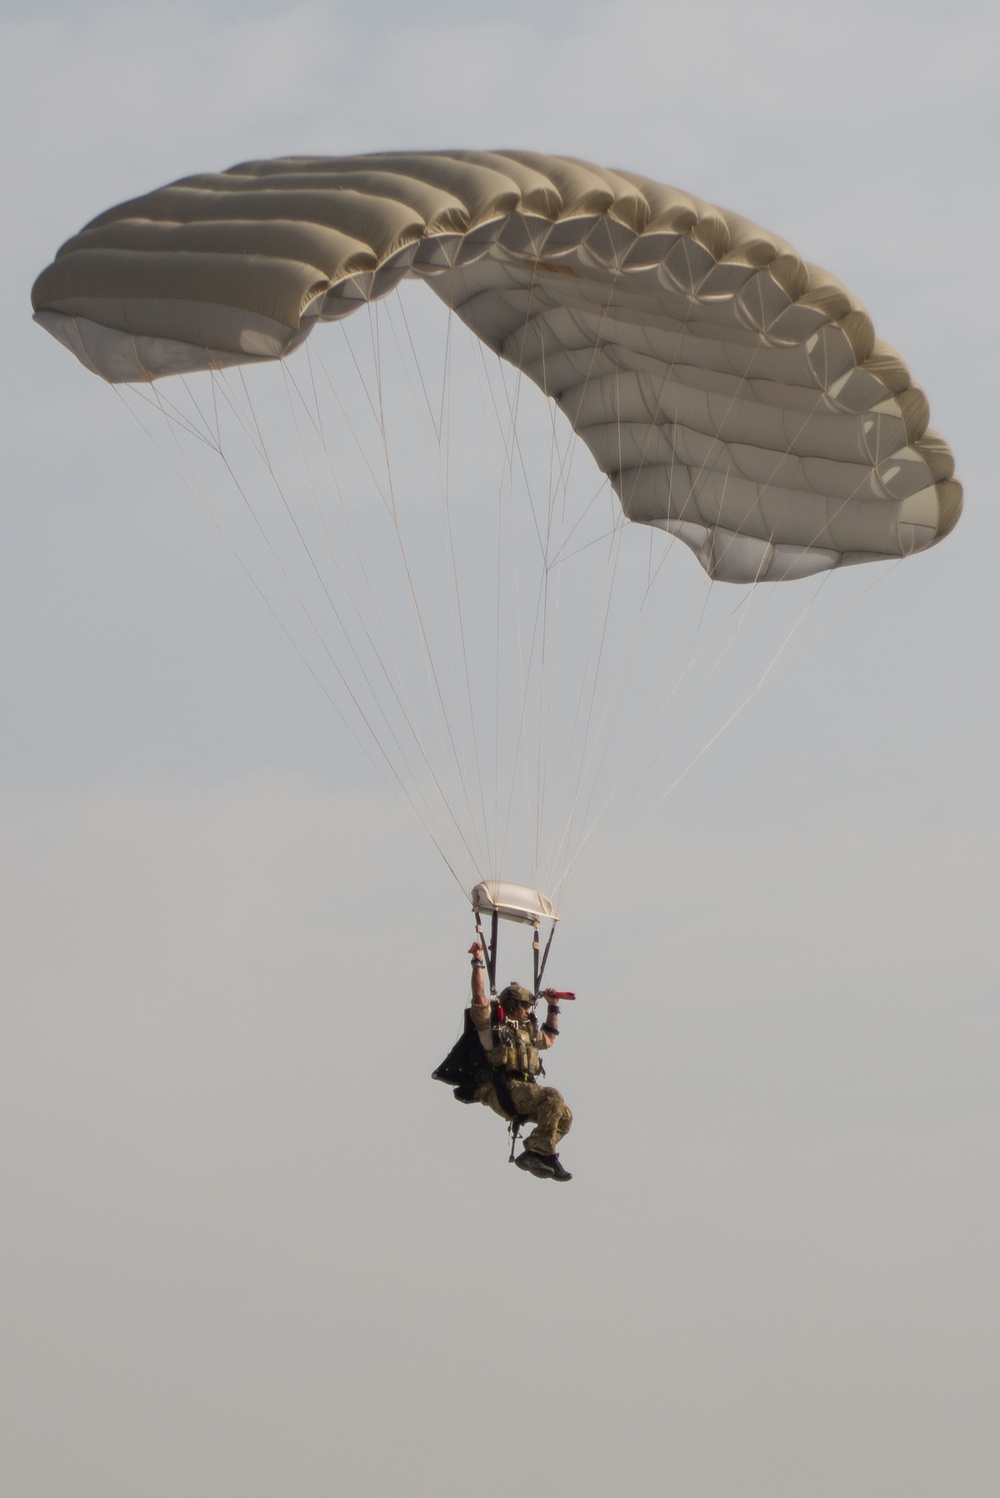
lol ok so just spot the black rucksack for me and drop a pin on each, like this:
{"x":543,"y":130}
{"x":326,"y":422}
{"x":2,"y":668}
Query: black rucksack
{"x":465,"y":1065}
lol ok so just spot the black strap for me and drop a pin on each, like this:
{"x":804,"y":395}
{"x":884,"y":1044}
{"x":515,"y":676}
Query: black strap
{"x":491,"y":954}
{"x":506,"y":1102}
{"x":540,"y":974}
{"x":502,"y":1089}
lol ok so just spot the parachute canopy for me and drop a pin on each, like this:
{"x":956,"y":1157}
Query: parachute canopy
{"x":735,"y":395}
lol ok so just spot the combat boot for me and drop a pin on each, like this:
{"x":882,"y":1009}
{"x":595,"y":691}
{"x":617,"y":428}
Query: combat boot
{"x":538,"y":1165}
{"x":558,"y":1171}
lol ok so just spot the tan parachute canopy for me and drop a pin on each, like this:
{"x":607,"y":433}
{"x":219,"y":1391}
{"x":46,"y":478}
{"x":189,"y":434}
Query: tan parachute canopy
{"x":735,"y":395}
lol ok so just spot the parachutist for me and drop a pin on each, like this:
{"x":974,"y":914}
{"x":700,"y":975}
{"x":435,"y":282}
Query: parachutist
{"x":511,"y":1038}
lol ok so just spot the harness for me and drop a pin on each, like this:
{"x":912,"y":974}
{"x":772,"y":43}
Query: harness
{"x":508,"y":1041}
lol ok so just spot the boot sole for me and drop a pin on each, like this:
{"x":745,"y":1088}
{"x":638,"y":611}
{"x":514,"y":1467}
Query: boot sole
{"x":541,"y":1170}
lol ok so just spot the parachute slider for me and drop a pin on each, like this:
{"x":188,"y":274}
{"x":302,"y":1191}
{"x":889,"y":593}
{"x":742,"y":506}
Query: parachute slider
{"x":512,"y":902}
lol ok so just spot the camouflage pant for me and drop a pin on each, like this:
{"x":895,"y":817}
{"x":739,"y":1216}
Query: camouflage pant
{"x":542,"y":1106}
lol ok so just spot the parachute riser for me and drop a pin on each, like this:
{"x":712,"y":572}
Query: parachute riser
{"x":488,"y":949}
{"x":540,"y":966}
{"x":516,"y":903}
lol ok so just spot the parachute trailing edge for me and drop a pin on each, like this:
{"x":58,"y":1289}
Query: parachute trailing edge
{"x":735,"y":395}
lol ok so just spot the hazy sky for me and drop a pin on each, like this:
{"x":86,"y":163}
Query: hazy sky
{"x":248,"y":1247}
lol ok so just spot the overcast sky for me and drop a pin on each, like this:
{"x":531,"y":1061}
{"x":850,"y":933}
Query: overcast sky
{"x":248,"y":1247}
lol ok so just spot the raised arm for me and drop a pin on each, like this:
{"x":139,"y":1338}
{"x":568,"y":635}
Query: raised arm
{"x":549,"y":1032}
{"x":480,"y":998}
{"x":550,"y":1028}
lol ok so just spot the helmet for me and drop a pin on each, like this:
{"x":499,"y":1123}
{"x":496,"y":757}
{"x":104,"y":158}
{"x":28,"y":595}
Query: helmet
{"x":515,"y":993}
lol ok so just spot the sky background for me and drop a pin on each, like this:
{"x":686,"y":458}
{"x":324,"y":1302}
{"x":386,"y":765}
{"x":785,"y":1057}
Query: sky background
{"x":247,"y":1247}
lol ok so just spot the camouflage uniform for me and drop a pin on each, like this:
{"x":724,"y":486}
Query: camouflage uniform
{"x":513,"y":1048}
